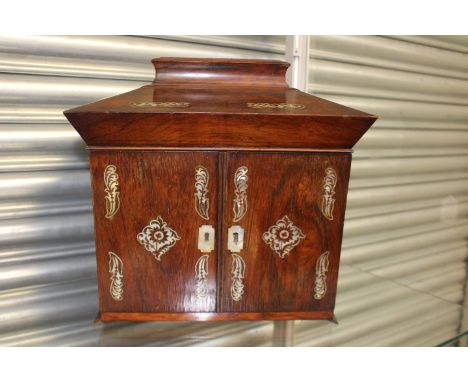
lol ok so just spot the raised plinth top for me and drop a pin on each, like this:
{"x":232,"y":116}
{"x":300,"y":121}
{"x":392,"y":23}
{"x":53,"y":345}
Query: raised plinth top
{"x":215,"y":71}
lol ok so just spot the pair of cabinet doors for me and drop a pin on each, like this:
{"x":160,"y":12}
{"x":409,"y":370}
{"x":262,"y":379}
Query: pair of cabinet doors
{"x":207,"y":231}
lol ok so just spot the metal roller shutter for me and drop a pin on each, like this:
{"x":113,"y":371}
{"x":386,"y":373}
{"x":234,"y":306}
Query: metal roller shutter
{"x":404,"y":249}
{"x":48,"y":291}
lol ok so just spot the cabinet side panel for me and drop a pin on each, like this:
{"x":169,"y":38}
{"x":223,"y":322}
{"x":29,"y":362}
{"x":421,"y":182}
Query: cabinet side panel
{"x":147,"y":218}
{"x":293,"y":226}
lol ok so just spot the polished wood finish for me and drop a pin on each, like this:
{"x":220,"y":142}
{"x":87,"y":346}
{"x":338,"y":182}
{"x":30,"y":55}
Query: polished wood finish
{"x":214,"y":71}
{"x":207,"y":131}
{"x":153,"y":185}
{"x":217,"y":94}
{"x":199,"y":112}
{"x":285,"y":184}
{"x":266,"y":149}
{"x":317,"y":315}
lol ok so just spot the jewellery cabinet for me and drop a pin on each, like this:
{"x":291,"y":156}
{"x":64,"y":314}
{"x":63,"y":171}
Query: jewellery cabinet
{"x":219,"y":193}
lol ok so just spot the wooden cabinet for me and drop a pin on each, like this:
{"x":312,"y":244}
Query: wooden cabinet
{"x":219,"y":193}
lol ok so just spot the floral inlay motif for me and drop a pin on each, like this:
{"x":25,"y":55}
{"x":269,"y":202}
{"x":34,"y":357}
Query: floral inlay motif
{"x":328,"y":193}
{"x":240,"y":201}
{"x":321,"y":269}
{"x":263,"y":105}
{"x":202,"y":202}
{"x":158,"y":237}
{"x":238,"y":274}
{"x":201,"y":276}
{"x":116,"y":271}
{"x":283,"y":236}
{"x":111,"y":180}
{"x":161,"y":104}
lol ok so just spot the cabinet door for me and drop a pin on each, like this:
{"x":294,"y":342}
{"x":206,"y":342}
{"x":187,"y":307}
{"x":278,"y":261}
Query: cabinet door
{"x":290,"y":207}
{"x":149,"y":207}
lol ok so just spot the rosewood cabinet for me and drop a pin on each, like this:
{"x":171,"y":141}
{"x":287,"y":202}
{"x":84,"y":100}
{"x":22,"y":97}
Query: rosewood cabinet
{"x":219,"y":193}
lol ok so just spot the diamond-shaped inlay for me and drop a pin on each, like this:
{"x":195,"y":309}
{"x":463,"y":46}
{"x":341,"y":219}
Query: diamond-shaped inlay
{"x":158,"y":237}
{"x":283,"y":236}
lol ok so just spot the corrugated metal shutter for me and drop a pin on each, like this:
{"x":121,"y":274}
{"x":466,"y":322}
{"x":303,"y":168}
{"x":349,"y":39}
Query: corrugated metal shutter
{"x":47,"y":266}
{"x":404,"y":250}
{"x":405,"y":234}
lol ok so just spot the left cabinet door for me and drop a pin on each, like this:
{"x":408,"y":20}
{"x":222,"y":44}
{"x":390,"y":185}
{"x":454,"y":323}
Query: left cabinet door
{"x":155,"y":221}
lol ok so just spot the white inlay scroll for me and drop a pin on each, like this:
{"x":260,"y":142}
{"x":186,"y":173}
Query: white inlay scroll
{"x":201,"y":276}
{"x":238,"y":274}
{"x":202,"y":202}
{"x":111,"y":180}
{"x":283,"y":236}
{"x":236,"y":233}
{"x":157,"y":237}
{"x":240,"y":201}
{"x":263,"y":105}
{"x":328,"y":192}
{"x":206,"y":244}
{"x":116,"y":271}
{"x":161,"y":104}
{"x":321,"y":269}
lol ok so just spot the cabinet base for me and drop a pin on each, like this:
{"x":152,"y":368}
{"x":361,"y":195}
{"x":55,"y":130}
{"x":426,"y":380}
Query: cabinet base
{"x":116,"y":316}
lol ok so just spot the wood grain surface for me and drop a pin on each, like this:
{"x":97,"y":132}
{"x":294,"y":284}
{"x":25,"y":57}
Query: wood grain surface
{"x":284,"y":184}
{"x":152,"y":185}
{"x":221,"y":114}
{"x":218,"y":71}
{"x":136,"y":316}
{"x":216,"y":95}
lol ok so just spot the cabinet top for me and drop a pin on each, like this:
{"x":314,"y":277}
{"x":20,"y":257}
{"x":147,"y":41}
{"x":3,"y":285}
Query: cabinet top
{"x":216,"y":99}
{"x":220,"y":72}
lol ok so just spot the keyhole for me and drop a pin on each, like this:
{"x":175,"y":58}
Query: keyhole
{"x":236,"y":238}
{"x":207,"y":236}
